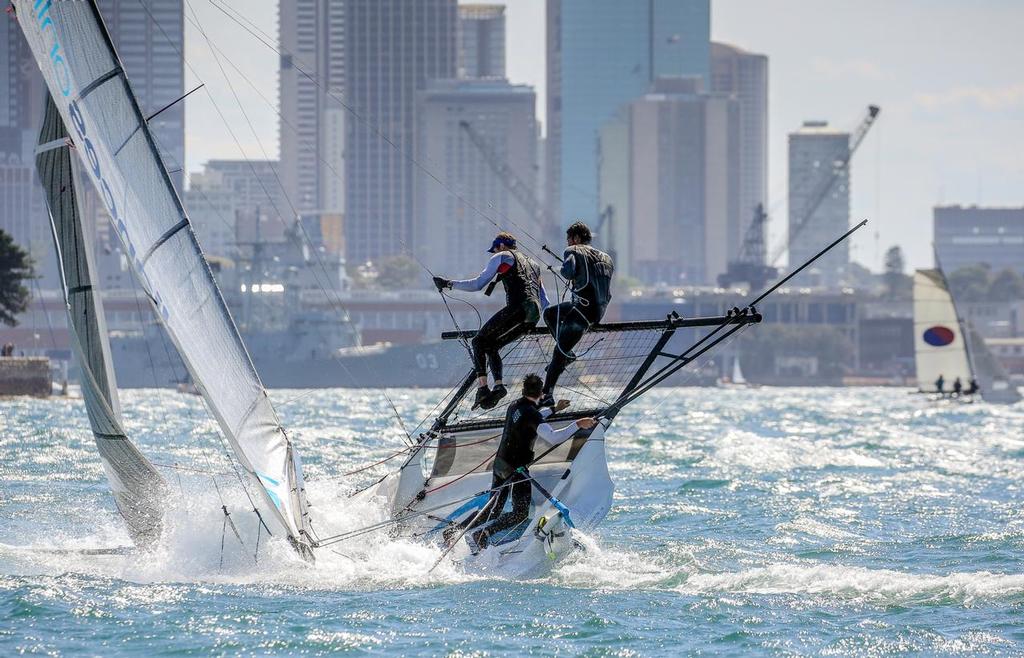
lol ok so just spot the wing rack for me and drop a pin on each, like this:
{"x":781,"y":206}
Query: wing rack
{"x":617,"y":362}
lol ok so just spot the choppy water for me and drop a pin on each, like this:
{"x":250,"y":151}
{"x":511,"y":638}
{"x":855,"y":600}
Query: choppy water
{"x":754,"y":522}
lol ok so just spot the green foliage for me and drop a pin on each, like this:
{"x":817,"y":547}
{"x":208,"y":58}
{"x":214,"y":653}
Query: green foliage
{"x":1006,"y":286}
{"x":399,"y":272}
{"x":970,"y":284}
{"x":897,"y":284}
{"x":894,"y":262}
{"x":15,"y":269}
{"x":977,"y":283}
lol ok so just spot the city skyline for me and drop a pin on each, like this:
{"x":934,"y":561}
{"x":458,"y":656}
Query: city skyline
{"x":946,"y":134}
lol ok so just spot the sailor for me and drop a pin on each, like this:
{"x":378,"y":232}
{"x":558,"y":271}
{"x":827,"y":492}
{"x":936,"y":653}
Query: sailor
{"x":940,"y":383}
{"x":525,"y":297}
{"x":958,"y":387}
{"x":973,"y":388}
{"x":524,"y":422}
{"x":589,"y":273}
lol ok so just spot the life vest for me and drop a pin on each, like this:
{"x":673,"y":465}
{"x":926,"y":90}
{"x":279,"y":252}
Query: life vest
{"x":592,"y":276}
{"x":522,"y":285}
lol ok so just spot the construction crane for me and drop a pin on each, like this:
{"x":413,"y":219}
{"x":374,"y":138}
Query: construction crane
{"x":522,"y":192}
{"x":752,"y":266}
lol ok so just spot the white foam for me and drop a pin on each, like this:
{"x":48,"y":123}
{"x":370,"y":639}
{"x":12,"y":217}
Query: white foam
{"x":874,"y":586}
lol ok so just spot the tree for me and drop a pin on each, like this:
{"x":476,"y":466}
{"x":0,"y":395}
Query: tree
{"x":15,"y":269}
{"x":970,"y":284}
{"x":897,"y":283}
{"x":1007,"y":286}
{"x":398,"y":272}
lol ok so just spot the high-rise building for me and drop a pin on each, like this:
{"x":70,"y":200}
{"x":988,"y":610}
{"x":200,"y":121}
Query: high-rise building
{"x":669,"y":169}
{"x":22,"y":94}
{"x":393,"y":48}
{"x":312,"y":80}
{"x":602,"y":54}
{"x":481,"y":41}
{"x":449,"y":231}
{"x":813,"y":151}
{"x":615,"y":200}
{"x":744,"y":76}
{"x":150,"y":39}
{"x":969,"y":235}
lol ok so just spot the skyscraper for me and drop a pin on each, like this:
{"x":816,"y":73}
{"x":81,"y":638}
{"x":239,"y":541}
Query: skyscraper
{"x":150,"y":38}
{"x":481,"y":41}
{"x":393,"y":48}
{"x":744,"y":76}
{"x":22,"y":92}
{"x":677,"y":149}
{"x":448,"y":232}
{"x":813,"y":151}
{"x":312,"y":70}
{"x":602,"y":54}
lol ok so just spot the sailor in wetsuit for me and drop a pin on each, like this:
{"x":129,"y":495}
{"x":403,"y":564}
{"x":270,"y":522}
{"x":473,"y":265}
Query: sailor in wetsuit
{"x":589,"y":273}
{"x":525,"y":297}
{"x":524,"y":422}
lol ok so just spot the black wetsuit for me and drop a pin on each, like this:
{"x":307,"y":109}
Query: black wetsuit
{"x":522,"y":284}
{"x":515,"y":450}
{"x":589,"y":272}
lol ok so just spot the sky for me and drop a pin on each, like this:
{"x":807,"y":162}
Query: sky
{"x":946,"y":74}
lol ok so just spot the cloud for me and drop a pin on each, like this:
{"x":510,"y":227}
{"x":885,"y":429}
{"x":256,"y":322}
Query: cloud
{"x":847,"y":68}
{"x":987,"y":98}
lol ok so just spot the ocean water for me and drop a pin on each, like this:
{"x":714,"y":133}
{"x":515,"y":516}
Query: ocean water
{"x":774,"y":522}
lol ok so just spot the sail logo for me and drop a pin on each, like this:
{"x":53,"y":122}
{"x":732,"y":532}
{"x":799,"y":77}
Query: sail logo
{"x":60,"y":67}
{"x":62,"y":77}
{"x":939,"y":336}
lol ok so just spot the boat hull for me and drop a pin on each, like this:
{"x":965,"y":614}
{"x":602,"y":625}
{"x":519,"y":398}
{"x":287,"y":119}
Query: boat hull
{"x":582,"y":485}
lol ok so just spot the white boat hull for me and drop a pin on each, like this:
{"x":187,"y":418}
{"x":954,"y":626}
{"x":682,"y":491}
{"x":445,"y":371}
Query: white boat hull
{"x":582,"y":485}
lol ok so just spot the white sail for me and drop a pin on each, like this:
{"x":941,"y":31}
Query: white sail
{"x":737,"y":374}
{"x":994,"y":383}
{"x":137,"y":486}
{"x":120,"y":156}
{"x":939,"y":345}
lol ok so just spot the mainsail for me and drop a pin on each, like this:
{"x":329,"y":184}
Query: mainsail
{"x":120,"y":155}
{"x":994,"y":384}
{"x":939,"y":345}
{"x":137,"y":486}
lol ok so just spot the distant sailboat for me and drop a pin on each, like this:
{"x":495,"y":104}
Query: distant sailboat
{"x":737,"y":374}
{"x":943,"y":348}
